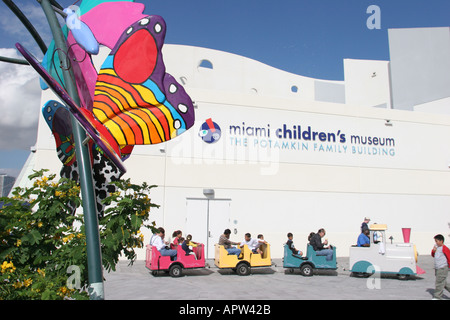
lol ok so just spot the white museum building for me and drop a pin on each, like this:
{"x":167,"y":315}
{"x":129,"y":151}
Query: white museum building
{"x":288,"y":153}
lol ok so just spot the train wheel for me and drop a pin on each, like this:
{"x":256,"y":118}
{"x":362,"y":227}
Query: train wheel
{"x":243,"y":269}
{"x":306,"y":270}
{"x":403,"y":277}
{"x":175,"y":270}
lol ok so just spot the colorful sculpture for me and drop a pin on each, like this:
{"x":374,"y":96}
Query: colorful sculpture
{"x":135,"y":98}
{"x":58,"y":119}
{"x":131,"y":101}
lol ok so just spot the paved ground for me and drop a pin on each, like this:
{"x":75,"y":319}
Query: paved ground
{"x":275,"y":283}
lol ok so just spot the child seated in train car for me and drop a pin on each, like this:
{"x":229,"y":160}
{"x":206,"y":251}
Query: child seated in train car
{"x":252,"y":244}
{"x":176,"y":235}
{"x":259,"y":248}
{"x":187,"y":244}
{"x":190,"y":242}
{"x":290,"y":244}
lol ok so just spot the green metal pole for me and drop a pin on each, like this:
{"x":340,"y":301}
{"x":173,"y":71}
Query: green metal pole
{"x":13,"y":60}
{"x":12,"y":6}
{"x":84,"y":166}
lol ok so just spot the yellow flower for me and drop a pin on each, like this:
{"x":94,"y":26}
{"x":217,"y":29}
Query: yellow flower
{"x":58,"y":193}
{"x":64,"y":291}
{"x":41,"y":272}
{"x":4,"y":266}
{"x":18,"y":243}
{"x":28,"y":282}
{"x":40,"y":224}
{"x":17,"y":285}
{"x":74,"y":191}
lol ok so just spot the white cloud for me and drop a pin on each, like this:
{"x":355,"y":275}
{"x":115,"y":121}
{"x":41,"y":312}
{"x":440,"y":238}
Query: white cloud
{"x":19,"y":85}
{"x":19,"y":103}
{"x":14,"y":31}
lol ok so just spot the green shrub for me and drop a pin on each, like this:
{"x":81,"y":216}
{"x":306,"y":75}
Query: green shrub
{"x":41,"y":236}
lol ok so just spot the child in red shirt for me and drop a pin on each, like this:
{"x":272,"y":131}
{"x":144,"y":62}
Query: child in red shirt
{"x":441,"y":255}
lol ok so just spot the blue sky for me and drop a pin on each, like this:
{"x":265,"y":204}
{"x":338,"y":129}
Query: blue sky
{"x":306,"y":37}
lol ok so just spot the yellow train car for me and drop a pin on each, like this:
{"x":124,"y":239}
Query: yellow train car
{"x":243,"y":263}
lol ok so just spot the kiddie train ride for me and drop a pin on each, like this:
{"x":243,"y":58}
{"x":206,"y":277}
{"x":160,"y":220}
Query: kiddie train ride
{"x":243,"y":263}
{"x":155,"y":262}
{"x":307,"y":264}
{"x":382,"y":257}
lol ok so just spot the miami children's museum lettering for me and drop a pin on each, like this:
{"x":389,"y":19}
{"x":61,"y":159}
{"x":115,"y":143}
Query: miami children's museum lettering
{"x":306,"y":138}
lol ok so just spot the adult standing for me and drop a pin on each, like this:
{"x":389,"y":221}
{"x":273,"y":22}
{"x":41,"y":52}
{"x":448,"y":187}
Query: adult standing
{"x":364,"y":224}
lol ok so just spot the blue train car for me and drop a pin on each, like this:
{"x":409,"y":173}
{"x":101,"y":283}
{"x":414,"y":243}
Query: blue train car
{"x":307,"y":263}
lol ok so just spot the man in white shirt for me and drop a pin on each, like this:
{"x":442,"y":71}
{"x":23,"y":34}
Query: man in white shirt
{"x":253,"y":244}
{"x":157,"y":240}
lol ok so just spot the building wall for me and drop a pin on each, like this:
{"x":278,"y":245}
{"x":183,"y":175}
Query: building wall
{"x":420,"y":65}
{"x":237,"y":74}
{"x":367,"y":83}
{"x":288,"y":162}
{"x":278,"y":190}
{"x":441,"y":106}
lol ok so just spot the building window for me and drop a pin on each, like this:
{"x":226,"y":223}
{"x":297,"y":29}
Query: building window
{"x":205,"y":64}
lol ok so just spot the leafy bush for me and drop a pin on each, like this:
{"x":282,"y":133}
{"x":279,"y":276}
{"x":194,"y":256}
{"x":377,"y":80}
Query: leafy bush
{"x":41,"y":236}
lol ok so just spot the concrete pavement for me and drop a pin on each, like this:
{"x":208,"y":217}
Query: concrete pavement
{"x":275,"y":283}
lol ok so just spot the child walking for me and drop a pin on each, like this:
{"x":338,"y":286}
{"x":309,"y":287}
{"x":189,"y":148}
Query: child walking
{"x":441,"y":256}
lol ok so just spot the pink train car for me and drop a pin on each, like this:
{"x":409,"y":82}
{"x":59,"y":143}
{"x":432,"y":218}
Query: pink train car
{"x":155,"y":262}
